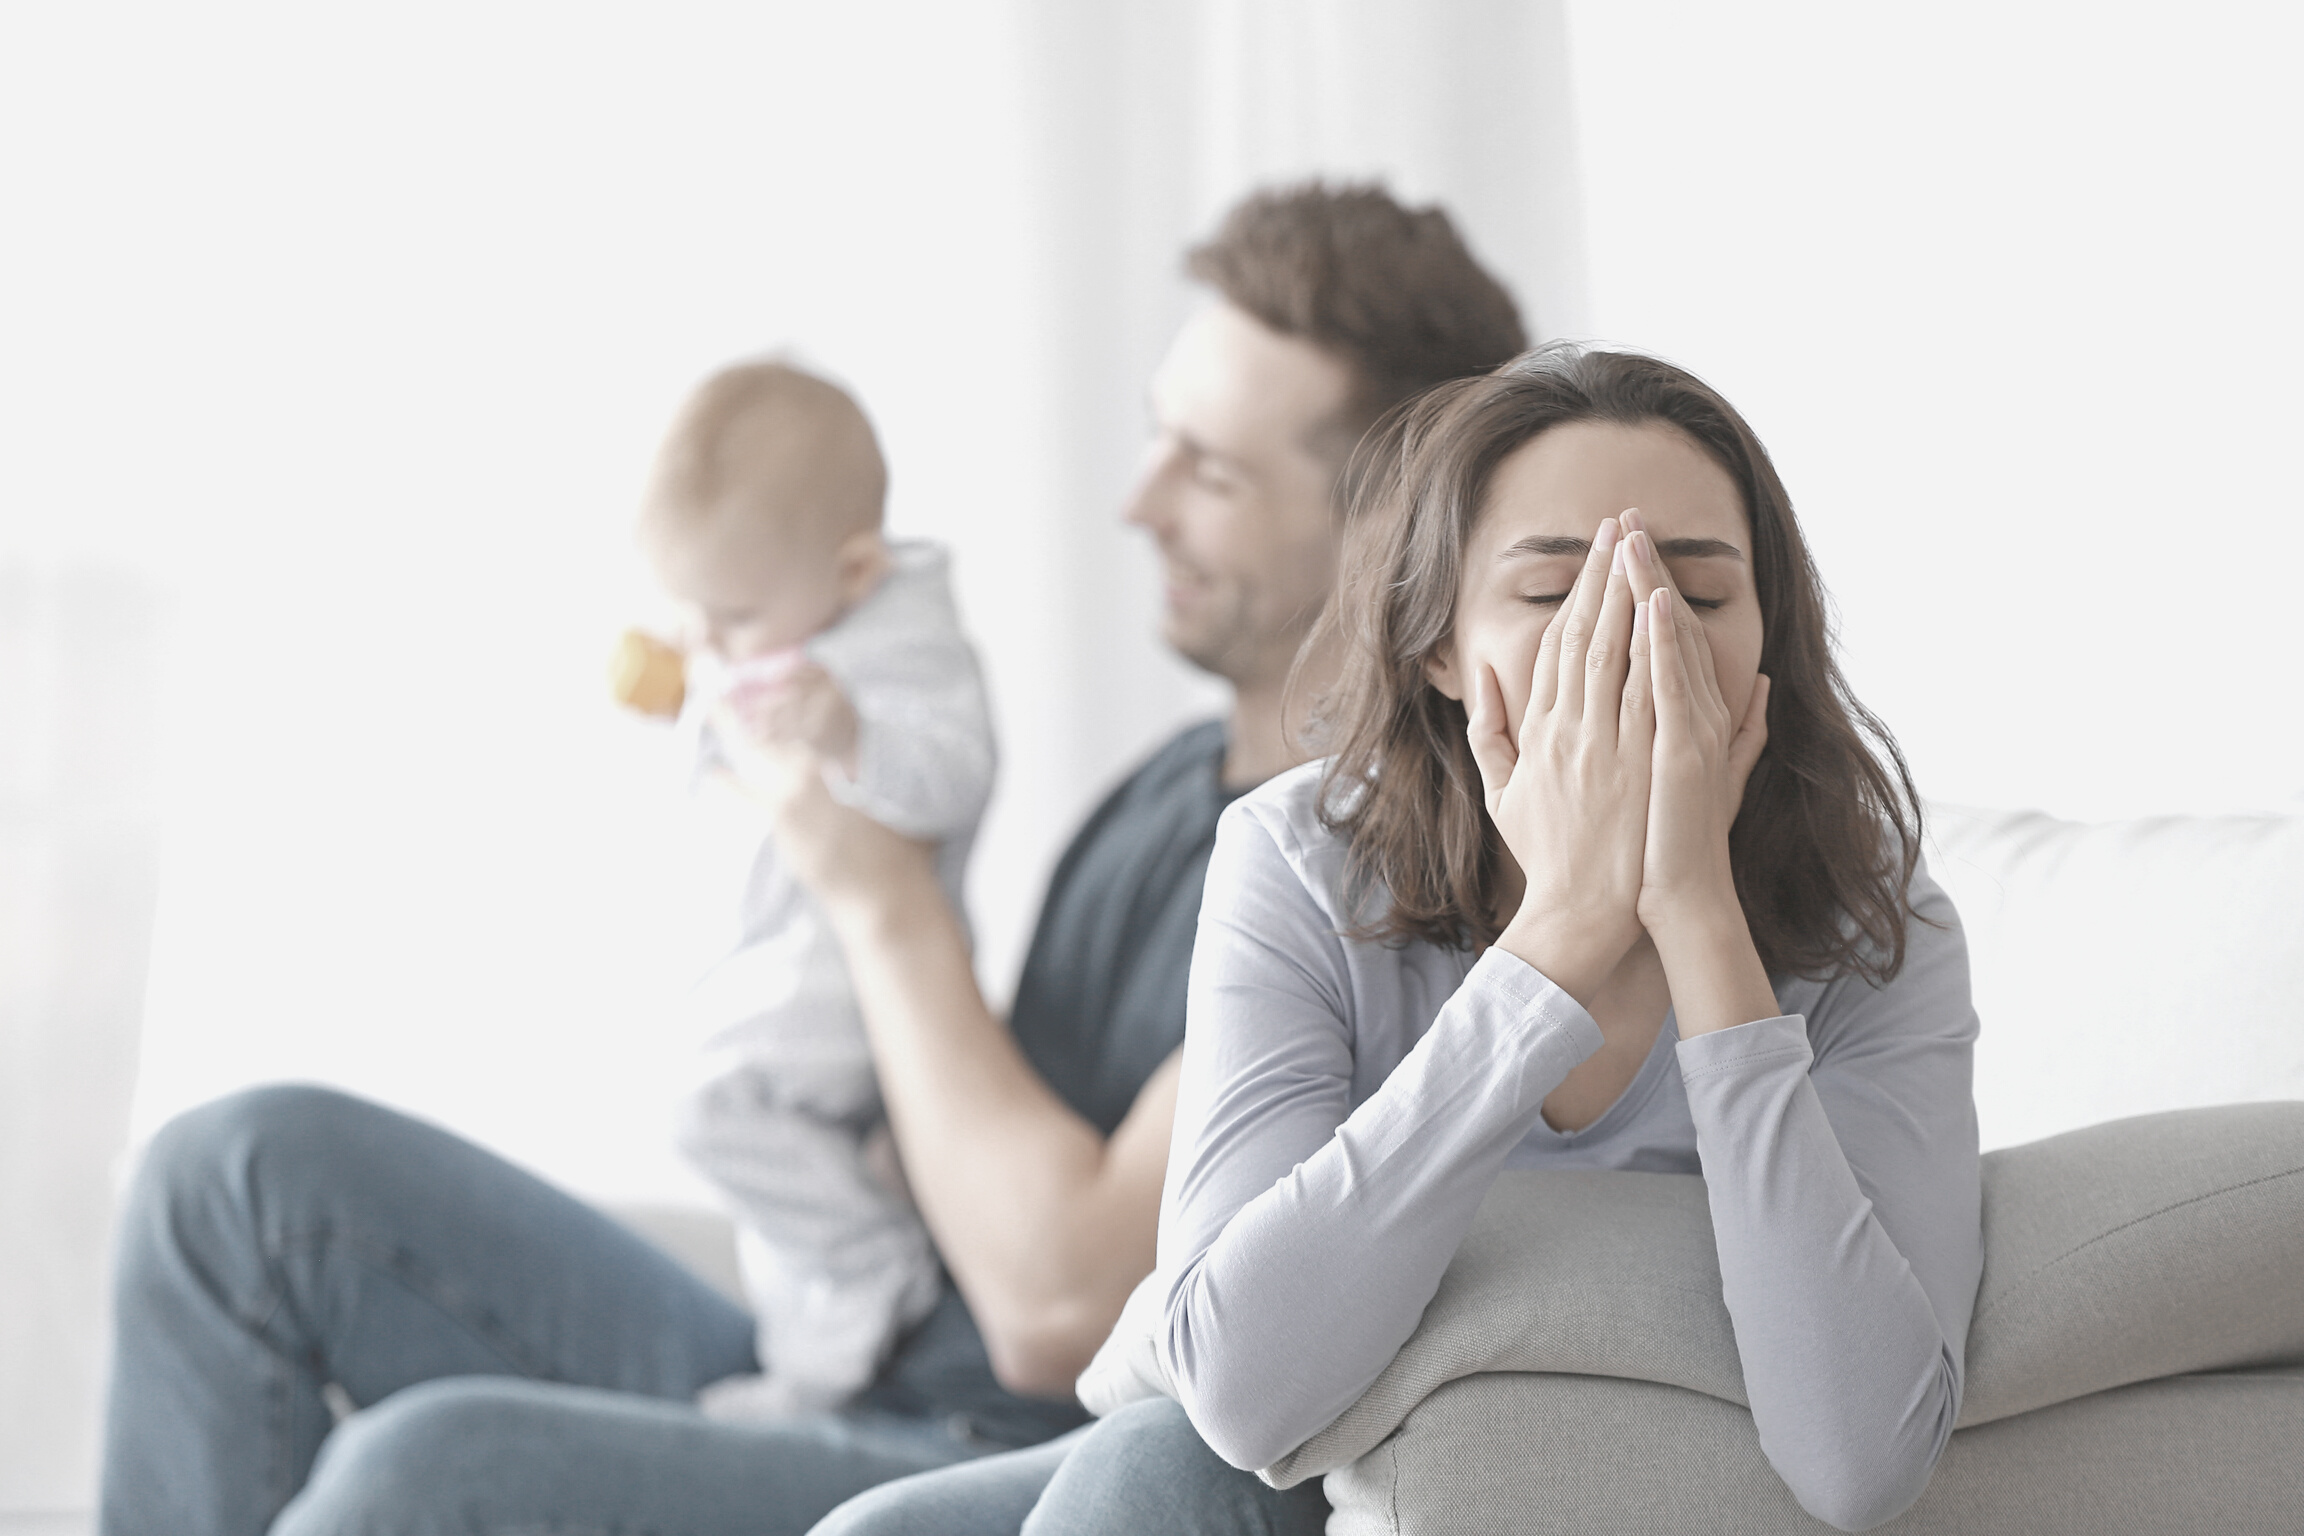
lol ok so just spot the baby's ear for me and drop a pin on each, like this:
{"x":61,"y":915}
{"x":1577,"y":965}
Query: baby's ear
{"x":861,"y":560}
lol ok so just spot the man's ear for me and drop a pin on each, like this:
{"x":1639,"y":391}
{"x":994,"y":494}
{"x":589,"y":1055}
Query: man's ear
{"x":1440,"y":667}
{"x":861,"y":560}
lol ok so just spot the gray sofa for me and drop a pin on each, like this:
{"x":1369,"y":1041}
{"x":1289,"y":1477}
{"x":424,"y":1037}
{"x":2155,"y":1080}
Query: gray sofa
{"x":2136,"y":1363}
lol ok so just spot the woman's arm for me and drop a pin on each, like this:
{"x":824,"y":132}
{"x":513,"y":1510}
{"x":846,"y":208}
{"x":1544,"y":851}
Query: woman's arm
{"x":1842,"y":1177}
{"x":1302,"y":1237}
{"x":1843,"y":1180}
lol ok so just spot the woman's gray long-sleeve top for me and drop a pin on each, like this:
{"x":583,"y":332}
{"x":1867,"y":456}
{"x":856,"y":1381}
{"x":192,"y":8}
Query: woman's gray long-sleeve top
{"x":1346,"y":1105}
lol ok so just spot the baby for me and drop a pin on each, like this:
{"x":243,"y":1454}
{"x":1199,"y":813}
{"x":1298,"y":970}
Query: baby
{"x":764,"y":519}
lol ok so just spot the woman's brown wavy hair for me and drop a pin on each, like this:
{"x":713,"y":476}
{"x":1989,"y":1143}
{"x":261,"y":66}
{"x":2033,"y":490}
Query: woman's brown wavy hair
{"x":1826,"y":842}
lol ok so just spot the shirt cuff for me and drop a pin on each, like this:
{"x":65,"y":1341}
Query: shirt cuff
{"x":1510,"y":984}
{"x":1763,"y":1043}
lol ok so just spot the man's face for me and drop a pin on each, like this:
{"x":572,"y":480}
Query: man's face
{"x":1237,"y":491}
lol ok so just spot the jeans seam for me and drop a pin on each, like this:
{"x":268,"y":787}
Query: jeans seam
{"x":279,"y":1384}
{"x":400,"y":1265}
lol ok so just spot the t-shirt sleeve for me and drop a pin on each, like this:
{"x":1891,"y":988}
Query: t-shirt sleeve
{"x":1303,"y":1236}
{"x":1840,"y":1162}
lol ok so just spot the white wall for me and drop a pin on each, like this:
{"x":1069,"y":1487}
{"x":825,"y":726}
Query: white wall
{"x":358,"y":328}
{"x":79,"y":683}
{"x":2011,"y":292}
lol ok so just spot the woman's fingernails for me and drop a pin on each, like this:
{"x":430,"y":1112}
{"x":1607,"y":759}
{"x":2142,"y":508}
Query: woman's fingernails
{"x":1662,"y":598}
{"x":1609,"y":533}
{"x":1616,"y":562}
{"x":1640,"y":619}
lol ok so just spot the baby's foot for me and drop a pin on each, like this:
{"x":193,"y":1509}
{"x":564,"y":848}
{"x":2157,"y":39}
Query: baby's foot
{"x":754,"y":1399}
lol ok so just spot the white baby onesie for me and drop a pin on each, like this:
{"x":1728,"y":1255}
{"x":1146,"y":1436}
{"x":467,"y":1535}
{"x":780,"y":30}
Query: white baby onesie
{"x":836,"y":1263}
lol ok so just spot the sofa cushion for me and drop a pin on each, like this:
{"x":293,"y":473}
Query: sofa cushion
{"x":2151,"y":1247}
{"x":1511,"y":1455}
{"x":2148,"y":1247}
{"x":2125,"y":967}
{"x":1585,"y":1272}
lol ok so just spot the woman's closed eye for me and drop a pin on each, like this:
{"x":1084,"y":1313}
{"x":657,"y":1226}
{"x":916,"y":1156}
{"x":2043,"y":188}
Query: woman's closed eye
{"x":1555,"y":599}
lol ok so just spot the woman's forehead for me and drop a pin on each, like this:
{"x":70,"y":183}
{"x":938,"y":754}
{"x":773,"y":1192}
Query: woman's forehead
{"x":1558,"y":486}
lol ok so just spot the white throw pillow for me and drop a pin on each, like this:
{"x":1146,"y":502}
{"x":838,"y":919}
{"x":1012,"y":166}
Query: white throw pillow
{"x":2126,"y":967}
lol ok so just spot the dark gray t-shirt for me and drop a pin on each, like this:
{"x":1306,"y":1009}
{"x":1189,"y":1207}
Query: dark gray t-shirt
{"x":1099,"y":1006}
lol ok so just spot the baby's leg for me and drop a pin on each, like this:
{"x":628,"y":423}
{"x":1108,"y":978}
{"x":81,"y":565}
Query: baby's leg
{"x":835,"y":1262}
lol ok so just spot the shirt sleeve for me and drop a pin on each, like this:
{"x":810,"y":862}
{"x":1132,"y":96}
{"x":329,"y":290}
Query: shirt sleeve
{"x":1302,"y":1236}
{"x":1840,"y":1162}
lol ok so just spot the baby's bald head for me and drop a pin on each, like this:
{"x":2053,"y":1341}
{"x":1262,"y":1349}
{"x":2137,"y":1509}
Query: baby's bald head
{"x":769,"y":444}
{"x":767,"y":499}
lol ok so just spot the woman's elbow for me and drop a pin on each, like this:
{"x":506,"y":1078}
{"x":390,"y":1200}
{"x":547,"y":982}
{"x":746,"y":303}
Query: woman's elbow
{"x":1236,"y":1412}
{"x":1236,"y":1431}
{"x":1859,"y":1501}
{"x":1852,"y":1486}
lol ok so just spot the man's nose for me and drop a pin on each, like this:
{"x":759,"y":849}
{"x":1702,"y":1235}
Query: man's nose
{"x":1151,"y":505}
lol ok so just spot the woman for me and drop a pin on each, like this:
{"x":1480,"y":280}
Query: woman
{"x":1602,"y":873}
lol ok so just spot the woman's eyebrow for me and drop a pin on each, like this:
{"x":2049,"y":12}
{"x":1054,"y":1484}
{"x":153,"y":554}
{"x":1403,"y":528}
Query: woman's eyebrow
{"x":1546,"y":544}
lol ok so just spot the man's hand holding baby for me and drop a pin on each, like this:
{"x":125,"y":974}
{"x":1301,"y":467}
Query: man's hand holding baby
{"x":793,"y":706}
{"x":780,"y":737}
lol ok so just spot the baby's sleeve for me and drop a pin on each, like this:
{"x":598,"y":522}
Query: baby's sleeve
{"x":925,"y":755}
{"x":924,"y":751}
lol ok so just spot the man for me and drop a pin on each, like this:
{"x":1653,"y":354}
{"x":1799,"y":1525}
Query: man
{"x":531,"y":1365}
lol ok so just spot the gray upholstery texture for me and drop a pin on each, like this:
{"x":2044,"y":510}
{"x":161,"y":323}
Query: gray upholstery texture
{"x":1517,"y":1455}
{"x":2142,"y":1248}
{"x":2158,"y":1247}
{"x":2150,"y":1247}
{"x":1592,"y":1273}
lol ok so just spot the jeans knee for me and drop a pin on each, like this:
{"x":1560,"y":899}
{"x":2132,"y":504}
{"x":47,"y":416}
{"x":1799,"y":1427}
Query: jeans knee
{"x":216,"y":1142}
{"x":404,"y":1465}
{"x":209,"y":1168}
{"x":1147,"y":1441}
{"x":1148,"y":1456}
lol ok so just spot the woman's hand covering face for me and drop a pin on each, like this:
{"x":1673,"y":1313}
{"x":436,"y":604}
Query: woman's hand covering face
{"x":1612,"y":764}
{"x":1568,"y":789}
{"x":1704,"y":754}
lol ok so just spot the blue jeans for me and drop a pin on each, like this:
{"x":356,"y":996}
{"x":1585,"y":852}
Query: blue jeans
{"x":521,"y":1363}
{"x":1143,"y":1470}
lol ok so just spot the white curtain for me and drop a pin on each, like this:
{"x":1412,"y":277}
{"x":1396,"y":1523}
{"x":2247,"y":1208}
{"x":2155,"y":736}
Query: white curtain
{"x":79,"y":695}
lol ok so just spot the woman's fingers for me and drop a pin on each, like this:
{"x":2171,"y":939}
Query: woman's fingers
{"x":1649,"y":572}
{"x":1605,"y":663}
{"x":1636,"y":716}
{"x":1667,"y":658}
{"x":1544,"y":683}
{"x":1485,"y":731}
{"x":1640,"y":558}
{"x":1580,"y":618}
{"x":1751,"y":736}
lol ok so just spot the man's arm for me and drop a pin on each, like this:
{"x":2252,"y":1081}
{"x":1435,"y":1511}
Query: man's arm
{"x":1045,"y":1223}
